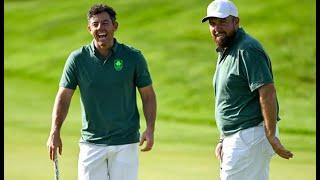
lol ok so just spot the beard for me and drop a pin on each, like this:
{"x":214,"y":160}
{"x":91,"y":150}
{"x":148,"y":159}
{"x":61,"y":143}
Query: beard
{"x":225,"y":41}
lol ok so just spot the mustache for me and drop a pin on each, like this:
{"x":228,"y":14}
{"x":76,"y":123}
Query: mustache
{"x":219,"y":33}
{"x":225,"y":40}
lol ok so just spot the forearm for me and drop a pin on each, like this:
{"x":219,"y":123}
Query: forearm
{"x":269,"y":110}
{"x":149,"y":106}
{"x":149,"y":110}
{"x":59,"y":114}
{"x":60,"y":109}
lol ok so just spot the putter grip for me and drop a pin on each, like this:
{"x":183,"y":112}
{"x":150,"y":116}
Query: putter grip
{"x":56,"y":168}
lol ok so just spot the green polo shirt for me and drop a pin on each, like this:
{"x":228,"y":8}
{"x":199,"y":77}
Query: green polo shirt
{"x":108,"y":92}
{"x":241,"y":69}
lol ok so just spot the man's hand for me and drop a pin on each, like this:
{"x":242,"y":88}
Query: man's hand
{"x":279,"y":149}
{"x":54,"y":142}
{"x":146,"y":136}
{"x":218,"y":151}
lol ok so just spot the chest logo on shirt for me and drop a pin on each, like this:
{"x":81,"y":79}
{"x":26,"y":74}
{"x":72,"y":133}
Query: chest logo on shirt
{"x":118,"y":64}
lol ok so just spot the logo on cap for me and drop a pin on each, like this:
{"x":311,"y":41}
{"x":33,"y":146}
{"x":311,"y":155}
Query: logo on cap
{"x":118,"y":64}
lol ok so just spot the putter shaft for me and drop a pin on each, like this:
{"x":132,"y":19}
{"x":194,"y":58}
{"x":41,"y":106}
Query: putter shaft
{"x":56,"y":168}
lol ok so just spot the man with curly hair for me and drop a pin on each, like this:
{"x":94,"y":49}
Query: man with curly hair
{"x":107,"y":74}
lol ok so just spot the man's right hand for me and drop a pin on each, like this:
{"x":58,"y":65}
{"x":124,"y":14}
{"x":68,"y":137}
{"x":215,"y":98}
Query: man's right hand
{"x":54,"y":142}
{"x":218,"y":151}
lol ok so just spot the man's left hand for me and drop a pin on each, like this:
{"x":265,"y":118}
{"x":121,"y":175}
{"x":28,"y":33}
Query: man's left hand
{"x":279,"y":149}
{"x":146,"y":136}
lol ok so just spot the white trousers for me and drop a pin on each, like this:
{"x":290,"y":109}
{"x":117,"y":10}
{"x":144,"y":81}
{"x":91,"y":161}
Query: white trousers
{"x":99,"y":162}
{"x":246,"y":155}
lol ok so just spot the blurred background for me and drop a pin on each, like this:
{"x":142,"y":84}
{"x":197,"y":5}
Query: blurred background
{"x":39,"y":35}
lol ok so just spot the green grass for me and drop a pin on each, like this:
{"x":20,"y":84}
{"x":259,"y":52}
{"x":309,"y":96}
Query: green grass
{"x":39,"y":36}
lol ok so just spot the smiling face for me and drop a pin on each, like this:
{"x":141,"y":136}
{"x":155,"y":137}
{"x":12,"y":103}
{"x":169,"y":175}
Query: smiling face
{"x":223,"y":30}
{"x":102,"y":28}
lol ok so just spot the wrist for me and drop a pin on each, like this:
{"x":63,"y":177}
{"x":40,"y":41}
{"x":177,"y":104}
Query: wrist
{"x":270,"y":137}
{"x":150,"y":129}
{"x":55,"y":132}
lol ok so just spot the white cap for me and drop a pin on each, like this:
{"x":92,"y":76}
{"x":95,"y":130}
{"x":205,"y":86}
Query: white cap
{"x":221,"y":9}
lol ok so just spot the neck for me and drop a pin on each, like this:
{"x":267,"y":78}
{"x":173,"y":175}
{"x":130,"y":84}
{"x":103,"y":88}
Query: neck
{"x":104,"y":49}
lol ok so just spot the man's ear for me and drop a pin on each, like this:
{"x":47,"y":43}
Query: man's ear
{"x":115,"y":24}
{"x":237,"y":21}
{"x":88,"y":27}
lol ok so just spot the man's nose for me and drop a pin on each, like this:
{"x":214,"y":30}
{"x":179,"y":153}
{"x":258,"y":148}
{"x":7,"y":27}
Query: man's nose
{"x":99,"y":26}
{"x":216,"y":27}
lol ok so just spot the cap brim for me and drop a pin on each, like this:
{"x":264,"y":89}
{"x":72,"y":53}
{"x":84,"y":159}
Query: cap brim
{"x":217,"y":15}
{"x":205,"y":19}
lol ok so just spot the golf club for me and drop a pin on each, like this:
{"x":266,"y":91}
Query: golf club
{"x":56,"y":167}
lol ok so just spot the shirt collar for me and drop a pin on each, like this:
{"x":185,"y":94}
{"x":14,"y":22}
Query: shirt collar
{"x":114,"y":47}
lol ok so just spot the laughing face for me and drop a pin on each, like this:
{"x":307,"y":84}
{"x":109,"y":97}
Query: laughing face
{"x":223,"y":30}
{"x":102,"y":29}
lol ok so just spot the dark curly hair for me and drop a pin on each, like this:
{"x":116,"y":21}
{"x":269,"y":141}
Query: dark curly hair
{"x":99,"y":8}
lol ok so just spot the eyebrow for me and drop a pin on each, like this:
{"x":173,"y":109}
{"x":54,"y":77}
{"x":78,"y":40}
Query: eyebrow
{"x":106,"y":20}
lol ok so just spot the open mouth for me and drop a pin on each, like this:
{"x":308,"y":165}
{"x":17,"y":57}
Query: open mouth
{"x":102,"y":35}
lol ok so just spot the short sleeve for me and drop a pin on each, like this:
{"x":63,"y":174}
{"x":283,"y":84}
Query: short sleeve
{"x":69,"y":77}
{"x":256,"y":67}
{"x":142,"y":74}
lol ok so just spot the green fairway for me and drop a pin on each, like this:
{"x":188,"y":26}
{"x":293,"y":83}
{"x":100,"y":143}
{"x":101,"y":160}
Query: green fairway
{"x":38,"y":38}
